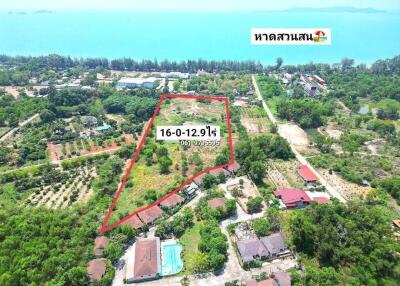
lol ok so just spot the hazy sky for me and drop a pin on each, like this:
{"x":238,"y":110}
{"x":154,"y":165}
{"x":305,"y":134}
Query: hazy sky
{"x":189,"y":4}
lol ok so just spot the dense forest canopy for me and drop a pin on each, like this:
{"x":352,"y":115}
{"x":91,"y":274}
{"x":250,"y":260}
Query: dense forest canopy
{"x":353,"y":245}
{"x":26,"y":67}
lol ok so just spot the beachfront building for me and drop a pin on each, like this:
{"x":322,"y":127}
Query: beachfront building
{"x":175,"y":75}
{"x":129,"y":83}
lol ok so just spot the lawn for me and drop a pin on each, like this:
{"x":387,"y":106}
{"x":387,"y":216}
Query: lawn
{"x":190,"y":242}
{"x":272,"y":104}
{"x":3,"y":130}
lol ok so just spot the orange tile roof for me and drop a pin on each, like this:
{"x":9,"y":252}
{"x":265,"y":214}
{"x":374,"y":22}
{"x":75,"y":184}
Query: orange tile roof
{"x":150,"y":215}
{"x":96,"y":269}
{"x":100,"y":243}
{"x":146,"y":257}
{"x":135,"y":222}
{"x":172,"y":201}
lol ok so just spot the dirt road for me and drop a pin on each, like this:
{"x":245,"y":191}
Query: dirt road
{"x":299,"y":157}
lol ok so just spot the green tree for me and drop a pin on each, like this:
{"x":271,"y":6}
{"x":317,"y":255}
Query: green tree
{"x":209,"y":181}
{"x":164,"y":163}
{"x":113,"y":251}
{"x":262,"y":227}
{"x":47,"y":116}
{"x":254,"y":204}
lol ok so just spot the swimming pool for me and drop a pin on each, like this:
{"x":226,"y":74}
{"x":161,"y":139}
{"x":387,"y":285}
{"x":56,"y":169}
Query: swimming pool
{"x":171,"y":262}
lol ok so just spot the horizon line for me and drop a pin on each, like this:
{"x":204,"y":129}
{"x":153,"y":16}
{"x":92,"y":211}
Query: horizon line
{"x":291,"y":9}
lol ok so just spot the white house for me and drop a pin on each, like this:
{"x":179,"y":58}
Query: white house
{"x":177,"y":75}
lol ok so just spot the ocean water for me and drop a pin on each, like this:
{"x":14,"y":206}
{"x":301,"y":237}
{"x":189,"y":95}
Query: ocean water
{"x":193,"y":35}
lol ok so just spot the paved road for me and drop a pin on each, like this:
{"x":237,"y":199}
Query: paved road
{"x":23,"y":123}
{"x":332,"y":191}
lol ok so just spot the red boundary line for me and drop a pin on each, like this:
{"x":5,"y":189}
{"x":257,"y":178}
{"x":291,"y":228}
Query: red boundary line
{"x":104,"y":227}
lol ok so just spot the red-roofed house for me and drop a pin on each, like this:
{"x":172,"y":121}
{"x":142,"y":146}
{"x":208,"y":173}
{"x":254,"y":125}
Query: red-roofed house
{"x":321,"y":200}
{"x":217,"y":202}
{"x":148,"y":216}
{"x":100,"y":243}
{"x":135,"y":222}
{"x":96,"y":269}
{"x":147,"y":263}
{"x":172,"y":201}
{"x":306,"y":174}
{"x":293,"y":198}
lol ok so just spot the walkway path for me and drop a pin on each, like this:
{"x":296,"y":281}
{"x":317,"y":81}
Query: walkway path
{"x":299,"y":157}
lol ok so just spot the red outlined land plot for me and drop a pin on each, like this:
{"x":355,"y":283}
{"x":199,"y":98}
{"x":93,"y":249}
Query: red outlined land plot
{"x":112,"y":220}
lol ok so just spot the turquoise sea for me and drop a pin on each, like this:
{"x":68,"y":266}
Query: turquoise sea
{"x":193,"y":35}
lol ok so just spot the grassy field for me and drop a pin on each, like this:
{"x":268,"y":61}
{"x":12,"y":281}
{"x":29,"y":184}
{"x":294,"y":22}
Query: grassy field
{"x":272,"y":104}
{"x":9,"y":198}
{"x":3,"y":130}
{"x":190,"y":242}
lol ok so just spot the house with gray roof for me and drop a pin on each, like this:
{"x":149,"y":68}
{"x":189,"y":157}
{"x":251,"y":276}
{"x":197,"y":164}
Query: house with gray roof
{"x":251,"y":249}
{"x":275,"y":244}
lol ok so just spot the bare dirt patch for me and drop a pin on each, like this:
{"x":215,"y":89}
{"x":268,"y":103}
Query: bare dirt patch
{"x":284,"y":173}
{"x":294,"y":134}
{"x":254,"y":125}
{"x":331,"y":131}
{"x":249,"y":190}
{"x":346,"y":189}
{"x":375,"y":145}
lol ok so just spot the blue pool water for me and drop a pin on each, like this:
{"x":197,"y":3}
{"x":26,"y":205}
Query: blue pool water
{"x":171,"y":262}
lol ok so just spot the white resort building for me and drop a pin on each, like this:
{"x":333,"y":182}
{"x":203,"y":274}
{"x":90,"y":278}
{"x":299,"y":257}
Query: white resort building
{"x":127,"y":83}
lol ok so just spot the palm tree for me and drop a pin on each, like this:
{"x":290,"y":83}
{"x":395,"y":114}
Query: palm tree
{"x":279,"y":62}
